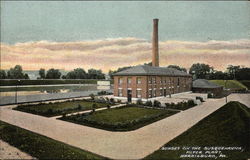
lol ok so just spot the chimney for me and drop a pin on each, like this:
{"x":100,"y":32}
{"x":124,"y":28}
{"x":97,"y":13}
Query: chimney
{"x":155,"y":48}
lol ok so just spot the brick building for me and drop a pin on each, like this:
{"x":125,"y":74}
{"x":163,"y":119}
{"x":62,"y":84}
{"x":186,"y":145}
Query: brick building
{"x":146,"y":81}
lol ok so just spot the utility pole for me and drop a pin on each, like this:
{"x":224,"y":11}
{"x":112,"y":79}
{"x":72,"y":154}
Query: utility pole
{"x":16,"y":91}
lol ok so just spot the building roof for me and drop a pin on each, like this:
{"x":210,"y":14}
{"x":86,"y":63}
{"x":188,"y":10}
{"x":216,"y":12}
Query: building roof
{"x":203,"y":83}
{"x":146,"y":70}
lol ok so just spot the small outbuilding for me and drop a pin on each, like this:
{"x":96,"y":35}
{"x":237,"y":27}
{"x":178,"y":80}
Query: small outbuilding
{"x":205,"y":86}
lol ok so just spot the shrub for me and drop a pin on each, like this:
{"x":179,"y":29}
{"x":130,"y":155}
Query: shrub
{"x":102,"y":93}
{"x":210,"y":95}
{"x":148,"y":103}
{"x":119,"y":101}
{"x":107,"y":99}
{"x":64,"y":115}
{"x":79,"y":107}
{"x":191,"y":103}
{"x":92,"y":96}
{"x":200,"y":98}
{"x":108,"y":106}
{"x":94,"y":106}
{"x":167,"y":105}
{"x":139,"y":102}
{"x":112,"y":100}
{"x":50,"y":111}
{"x":157,"y":103}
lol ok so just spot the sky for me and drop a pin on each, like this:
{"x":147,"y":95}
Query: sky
{"x":108,"y":35}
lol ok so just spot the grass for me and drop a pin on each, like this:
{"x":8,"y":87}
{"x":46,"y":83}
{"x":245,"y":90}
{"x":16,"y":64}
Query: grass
{"x":59,"y":108}
{"x":13,"y":82}
{"x":230,"y":84}
{"x":246,"y":83}
{"x":40,"y":146}
{"x":120,"y":119}
{"x":228,"y":126}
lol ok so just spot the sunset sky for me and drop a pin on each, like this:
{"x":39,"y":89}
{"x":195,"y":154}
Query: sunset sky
{"x":107,"y":35}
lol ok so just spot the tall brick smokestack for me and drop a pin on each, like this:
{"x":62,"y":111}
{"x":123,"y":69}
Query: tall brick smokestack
{"x":155,"y":47}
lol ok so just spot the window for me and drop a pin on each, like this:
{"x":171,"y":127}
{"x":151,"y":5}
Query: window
{"x":138,"y":93}
{"x":120,"y":92}
{"x":153,"y":79}
{"x":129,"y":80}
{"x":178,"y":82}
{"x":150,"y":93}
{"x":154,"y":92}
{"x":138,"y":80}
{"x":149,"y":80}
{"x":119,"y":80}
{"x":161,"y":91}
{"x":161,"y":80}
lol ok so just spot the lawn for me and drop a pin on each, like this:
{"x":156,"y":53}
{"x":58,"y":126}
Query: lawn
{"x":59,"y":108}
{"x":120,"y":119}
{"x":227,"y":127}
{"x":40,"y":146}
{"x":246,"y":83}
{"x":230,"y":84}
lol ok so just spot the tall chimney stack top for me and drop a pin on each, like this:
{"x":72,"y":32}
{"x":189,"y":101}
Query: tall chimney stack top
{"x":155,"y":47}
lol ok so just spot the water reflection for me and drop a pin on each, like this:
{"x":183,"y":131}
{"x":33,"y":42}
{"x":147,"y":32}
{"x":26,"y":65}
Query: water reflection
{"x":54,"y":89}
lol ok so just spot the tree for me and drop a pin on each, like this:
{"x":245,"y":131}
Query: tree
{"x":95,"y":74}
{"x":17,"y":73}
{"x":217,"y":75}
{"x":53,"y":74}
{"x":178,"y":68}
{"x":77,"y":73}
{"x":243,"y":74}
{"x":42,"y":73}
{"x":201,"y":70}
{"x":3,"y":74}
{"x":233,"y":70}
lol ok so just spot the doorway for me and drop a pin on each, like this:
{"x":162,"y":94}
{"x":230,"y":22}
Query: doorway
{"x":129,"y":96}
{"x":165,"y":92}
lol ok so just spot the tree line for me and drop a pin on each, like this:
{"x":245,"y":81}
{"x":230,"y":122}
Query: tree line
{"x":14,"y":73}
{"x":78,"y":73}
{"x":198,"y":70}
{"x":205,"y":71}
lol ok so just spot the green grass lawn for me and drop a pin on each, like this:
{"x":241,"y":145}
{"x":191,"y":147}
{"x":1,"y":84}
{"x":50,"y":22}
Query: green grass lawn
{"x":59,"y":108}
{"x":120,"y":119}
{"x":231,"y":84}
{"x":228,"y":126}
{"x":246,"y":83}
{"x":40,"y":146}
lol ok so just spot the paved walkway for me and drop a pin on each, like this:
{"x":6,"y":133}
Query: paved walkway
{"x":9,"y":152}
{"x":118,"y":145}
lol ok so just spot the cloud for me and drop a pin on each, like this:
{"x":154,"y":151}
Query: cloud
{"x":113,"y":53}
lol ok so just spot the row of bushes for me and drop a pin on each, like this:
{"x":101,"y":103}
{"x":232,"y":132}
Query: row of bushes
{"x":180,"y":105}
{"x":125,"y":126}
{"x":13,"y":82}
{"x":104,"y":93}
{"x":107,"y":100}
